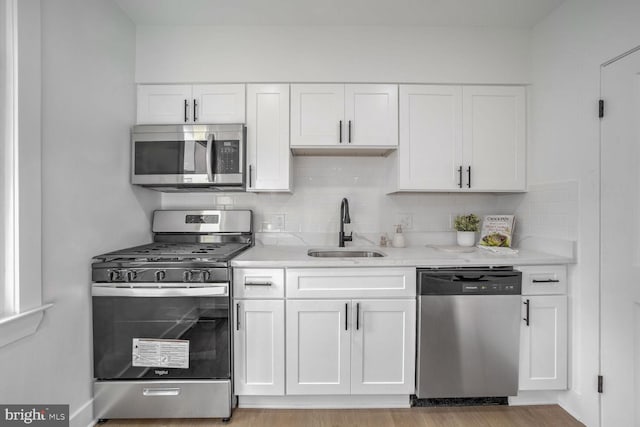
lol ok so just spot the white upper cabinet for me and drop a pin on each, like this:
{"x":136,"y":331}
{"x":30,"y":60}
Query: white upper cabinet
{"x":317,"y":114}
{"x":336,"y":115}
{"x":494,"y":137}
{"x":431,"y":135}
{"x":219,"y":103}
{"x":461,"y":138}
{"x":371,"y":114}
{"x":164,"y":104}
{"x":268,"y":154}
{"x":177,"y":104}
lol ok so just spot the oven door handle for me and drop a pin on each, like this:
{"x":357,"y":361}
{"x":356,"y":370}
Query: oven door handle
{"x":209,"y":160}
{"x":200,"y":291}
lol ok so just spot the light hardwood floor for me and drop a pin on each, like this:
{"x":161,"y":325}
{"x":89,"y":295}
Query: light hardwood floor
{"x":488,"y":416}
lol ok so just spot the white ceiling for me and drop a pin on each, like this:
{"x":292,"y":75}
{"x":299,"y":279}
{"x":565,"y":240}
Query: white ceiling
{"x":502,"y":13}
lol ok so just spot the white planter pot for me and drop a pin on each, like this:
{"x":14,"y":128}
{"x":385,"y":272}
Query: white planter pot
{"x":466,"y":238}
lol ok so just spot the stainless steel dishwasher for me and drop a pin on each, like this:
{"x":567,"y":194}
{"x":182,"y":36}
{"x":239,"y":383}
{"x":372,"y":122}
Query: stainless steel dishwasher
{"x":468,"y":332}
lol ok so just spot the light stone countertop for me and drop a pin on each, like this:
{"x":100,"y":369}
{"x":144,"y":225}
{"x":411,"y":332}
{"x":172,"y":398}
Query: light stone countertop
{"x":419,"y":256}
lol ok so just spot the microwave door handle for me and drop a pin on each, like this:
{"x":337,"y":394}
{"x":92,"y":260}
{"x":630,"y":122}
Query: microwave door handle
{"x":210,"y":160}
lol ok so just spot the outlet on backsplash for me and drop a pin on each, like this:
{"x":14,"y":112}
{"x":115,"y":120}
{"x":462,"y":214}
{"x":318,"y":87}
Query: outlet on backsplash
{"x":273,"y":222}
{"x":405,"y":220}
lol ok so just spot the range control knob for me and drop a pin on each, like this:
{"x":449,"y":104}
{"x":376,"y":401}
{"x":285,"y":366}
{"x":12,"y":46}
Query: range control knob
{"x":187,"y":275}
{"x":113,"y":275}
{"x":160,"y":275}
{"x":131,"y":275}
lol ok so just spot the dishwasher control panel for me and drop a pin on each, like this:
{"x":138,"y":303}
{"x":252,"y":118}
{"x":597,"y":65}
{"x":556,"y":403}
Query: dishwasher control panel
{"x":478,"y":281}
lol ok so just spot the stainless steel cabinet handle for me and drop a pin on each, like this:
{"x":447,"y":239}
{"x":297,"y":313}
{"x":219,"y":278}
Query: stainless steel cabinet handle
{"x":195,"y":105}
{"x":250,"y":167}
{"x":526,"y":318}
{"x":186,"y":109}
{"x":469,"y":176}
{"x":545,"y":281}
{"x":357,"y":316}
{"x":340,"y":132}
{"x":237,"y":316}
{"x":349,"y":131}
{"x":460,"y":176}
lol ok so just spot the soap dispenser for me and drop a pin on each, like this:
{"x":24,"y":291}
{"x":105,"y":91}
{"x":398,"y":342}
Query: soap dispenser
{"x":398,"y":238}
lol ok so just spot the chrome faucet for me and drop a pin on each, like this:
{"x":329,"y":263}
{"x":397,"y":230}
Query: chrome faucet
{"x":344,"y":219}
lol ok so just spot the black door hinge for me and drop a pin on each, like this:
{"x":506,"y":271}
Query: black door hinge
{"x":601,"y":108}
{"x":600,"y":380}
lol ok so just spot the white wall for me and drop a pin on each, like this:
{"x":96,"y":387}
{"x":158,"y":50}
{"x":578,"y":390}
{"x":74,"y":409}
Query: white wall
{"x":567,"y":50}
{"x":167,"y":54}
{"x":89,"y":207}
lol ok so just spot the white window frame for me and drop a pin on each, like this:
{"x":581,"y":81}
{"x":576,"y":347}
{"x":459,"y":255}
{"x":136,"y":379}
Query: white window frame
{"x":22,"y":309}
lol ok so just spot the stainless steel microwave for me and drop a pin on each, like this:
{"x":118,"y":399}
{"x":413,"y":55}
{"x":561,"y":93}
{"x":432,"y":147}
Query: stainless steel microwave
{"x":183,"y":157}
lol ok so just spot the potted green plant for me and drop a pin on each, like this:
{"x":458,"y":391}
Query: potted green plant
{"x":466,"y":226}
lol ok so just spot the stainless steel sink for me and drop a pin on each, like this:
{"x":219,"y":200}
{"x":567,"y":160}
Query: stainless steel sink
{"x":336,"y":253}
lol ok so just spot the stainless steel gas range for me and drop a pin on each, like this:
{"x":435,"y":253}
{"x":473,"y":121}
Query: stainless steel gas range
{"x":162,"y":336}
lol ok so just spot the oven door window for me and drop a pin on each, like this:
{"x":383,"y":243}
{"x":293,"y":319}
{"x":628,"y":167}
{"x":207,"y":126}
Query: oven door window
{"x":170,"y":157}
{"x":202,"y":322}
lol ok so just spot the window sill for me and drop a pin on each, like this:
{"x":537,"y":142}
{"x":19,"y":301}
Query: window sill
{"x":20,"y":325}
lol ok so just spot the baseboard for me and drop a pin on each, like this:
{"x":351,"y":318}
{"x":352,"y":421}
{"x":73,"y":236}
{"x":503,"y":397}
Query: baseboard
{"x":534,"y":398}
{"x":324,"y":402}
{"x":83,"y":416}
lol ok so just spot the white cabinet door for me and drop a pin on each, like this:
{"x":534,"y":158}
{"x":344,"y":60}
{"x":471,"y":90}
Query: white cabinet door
{"x":219,"y":103}
{"x":383,"y":347}
{"x":494,"y":137}
{"x":318,"y":346}
{"x":543,"y":344}
{"x":430,"y":152}
{"x":317,"y":114}
{"x":371,"y":114}
{"x":259,"y":347}
{"x":268,"y":154}
{"x":164,"y":104}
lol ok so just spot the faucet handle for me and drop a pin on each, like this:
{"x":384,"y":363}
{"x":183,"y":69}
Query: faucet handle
{"x":348,"y":237}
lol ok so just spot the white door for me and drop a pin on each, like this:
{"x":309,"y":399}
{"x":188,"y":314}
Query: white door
{"x":259,"y":347}
{"x":268,"y":154}
{"x":318,"y":346}
{"x":317,"y":114}
{"x":383,"y":347}
{"x":219,"y":103}
{"x":371,"y":114}
{"x":164,"y":104}
{"x":620,"y":235}
{"x":543,"y":343}
{"x":430,"y":151}
{"x":494,"y":137}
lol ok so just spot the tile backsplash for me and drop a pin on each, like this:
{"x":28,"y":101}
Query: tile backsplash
{"x":320,"y":183}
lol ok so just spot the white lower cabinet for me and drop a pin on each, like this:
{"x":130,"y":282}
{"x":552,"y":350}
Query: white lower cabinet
{"x":544,"y":326}
{"x":350,"y":346}
{"x":259,"y":347}
{"x":318,"y":347}
{"x":383,"y":347}
{"x":543,"y":343}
